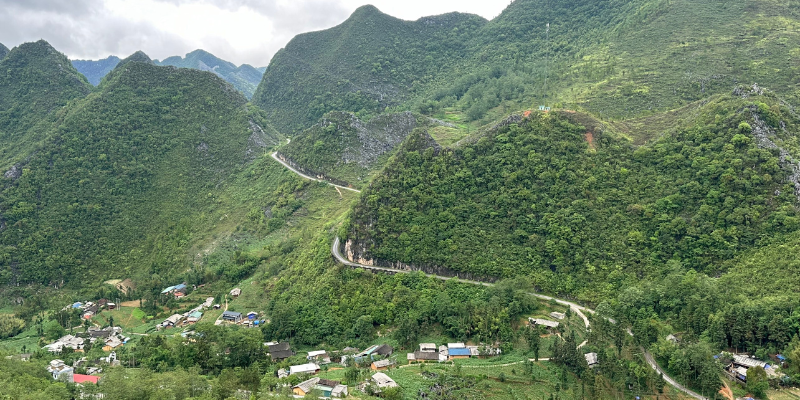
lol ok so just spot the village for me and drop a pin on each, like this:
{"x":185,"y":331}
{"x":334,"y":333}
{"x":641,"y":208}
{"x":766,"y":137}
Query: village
{"x":314,"y":370}
{"x":319,"y":372}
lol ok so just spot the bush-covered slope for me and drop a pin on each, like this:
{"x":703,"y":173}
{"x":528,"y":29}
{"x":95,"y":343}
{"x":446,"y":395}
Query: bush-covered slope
{"x":137,"y":160}
{"x":367,"y":63}
{"x":580,"y":208}
{"x":617,"y":59}
{"x":37,"y":81}
{"x":245,"y":78}
{"x":95,"y":71}
{"x":347,"y":150}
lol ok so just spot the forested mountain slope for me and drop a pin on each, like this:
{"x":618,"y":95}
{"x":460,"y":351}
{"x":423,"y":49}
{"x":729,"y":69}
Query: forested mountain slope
{"x":562,"y":198}
{"x":367,"y":63}
{"x":95,"y":71}
{"x":617,"y":59}
{"x":3,"y":51}
{"x":245,"y":78}
{"x":124,"y":175}
{"x":37,"y":81}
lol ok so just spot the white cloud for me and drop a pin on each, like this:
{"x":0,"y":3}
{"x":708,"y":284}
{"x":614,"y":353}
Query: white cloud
{"x":240,"y":31}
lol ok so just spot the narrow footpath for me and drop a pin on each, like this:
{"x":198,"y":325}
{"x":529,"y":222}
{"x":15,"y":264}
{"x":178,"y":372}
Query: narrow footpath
{"x":578,"y":309}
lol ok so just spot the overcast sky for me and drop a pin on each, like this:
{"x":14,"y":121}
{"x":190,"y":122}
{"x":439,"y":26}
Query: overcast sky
{"x":240,"y":31}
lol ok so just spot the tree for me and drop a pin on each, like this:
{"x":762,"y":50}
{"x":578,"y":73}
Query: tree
{"x":53,"y":330}
{"x":757,"y":382}
{"x":534,"y":341}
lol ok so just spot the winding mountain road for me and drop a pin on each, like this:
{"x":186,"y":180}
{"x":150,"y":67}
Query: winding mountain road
{"x":576,"y":308}
{"x":290,"y":168}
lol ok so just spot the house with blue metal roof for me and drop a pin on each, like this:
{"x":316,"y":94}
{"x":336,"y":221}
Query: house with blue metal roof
{"x":457,"y":353}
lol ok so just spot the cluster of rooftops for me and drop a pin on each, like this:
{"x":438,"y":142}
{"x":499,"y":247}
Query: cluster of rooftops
{"x":451,"y":351}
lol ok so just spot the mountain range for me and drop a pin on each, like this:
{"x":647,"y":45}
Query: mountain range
{"x":640,"y":157}
{"x":244,"y":78}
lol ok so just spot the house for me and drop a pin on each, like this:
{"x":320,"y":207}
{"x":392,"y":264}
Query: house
{"x":168,"y":290}
{"x":70,"y":341}
{"x":232,"y":316}
{"x":110,"y":360}
{"x":550,"y":325}
{"x":740,"y":373}
{"x":747,"y":362}
{"x":458,"y":353}
{"x":283,"y":373}
{"x":252,"y":315}
{"x":383,"y":381}
{"x":80,"y":379}
{"x":371,"y":352}
{"x":280,"y":351}
{"x":591,"y":359}
{"x":112,"y":343}
{"x":557,"y":315}
{"x":111,"y":306}
{"x":424,"y":356}
{"x":208,"y":303}
{"x":320,"y":356}
{"x":178,"y":293}
{"x":328,"y":388}
{"x":339,"y":391}
{"x":97,"y":333}
{"x":309,"y":368}
{"x":427,"y":347}
{"x":194,"y":317}
{"x":102,"y":302}
{"x":281,"y":355}
{"x":90,"y":311}
{"x":173,"y":320}
{"x":236,"y":292}
{"x":305,"y":387}
{"x":60,"y":371}
{"x":381,"y":365}
{"x":483,"y":351}
{"x":456,"y":346}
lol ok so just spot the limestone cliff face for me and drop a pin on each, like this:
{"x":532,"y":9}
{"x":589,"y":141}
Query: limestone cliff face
{"x":346,"y":150}
{"x":357,"y":252}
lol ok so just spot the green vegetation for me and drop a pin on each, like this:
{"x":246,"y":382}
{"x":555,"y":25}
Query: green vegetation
{"x":347,"y":150}
{"x":37,"y":81}
{"x":581,"y":219}
{"x":367,"y":63}
{"x":120,"y":182}
{"x":244,"y":78}
{"x":618,"y":59}
{"x":3,"y":51}
{"x":667,"y":198}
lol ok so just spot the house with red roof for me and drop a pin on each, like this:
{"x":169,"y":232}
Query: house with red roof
{"x":78,"y":378}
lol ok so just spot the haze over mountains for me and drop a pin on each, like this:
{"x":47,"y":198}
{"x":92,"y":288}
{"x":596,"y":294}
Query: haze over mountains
{"x":245,"y":78}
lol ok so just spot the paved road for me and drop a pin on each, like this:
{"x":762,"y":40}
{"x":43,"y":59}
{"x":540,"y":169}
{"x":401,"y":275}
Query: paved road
{"x":676,"y":385}
{"x":289,"y":167}
{"x":578,"y":309}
